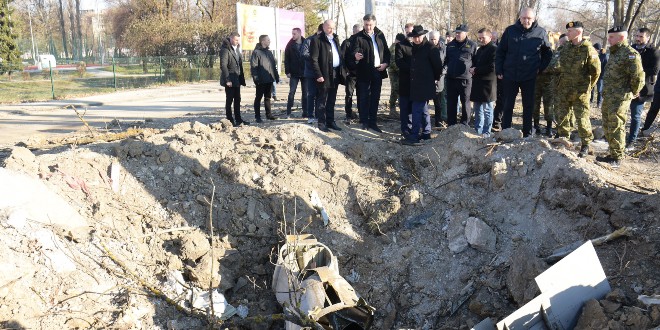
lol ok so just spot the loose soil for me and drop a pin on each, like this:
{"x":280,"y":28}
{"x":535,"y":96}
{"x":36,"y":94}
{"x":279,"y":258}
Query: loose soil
{"x":397,"y":223}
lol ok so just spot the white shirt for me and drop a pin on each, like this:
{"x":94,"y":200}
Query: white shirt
{"x":335,"y":51}
{"x":236,"y":50}
{"x":376,"y":54}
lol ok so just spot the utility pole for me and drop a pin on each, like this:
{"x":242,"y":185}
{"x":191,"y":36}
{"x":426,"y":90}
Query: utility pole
{"x":34,"y":54}
{"x":369,"y":6}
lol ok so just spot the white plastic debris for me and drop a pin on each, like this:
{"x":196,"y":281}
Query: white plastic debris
{"x":649,"y":300}
{"x":115,"y":174}
{"x":316,"y":203}
{"x":242,"y":311}
{"x":202,"y":300}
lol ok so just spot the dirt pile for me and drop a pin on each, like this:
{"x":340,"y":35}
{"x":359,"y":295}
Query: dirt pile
{"x":438,"y":236}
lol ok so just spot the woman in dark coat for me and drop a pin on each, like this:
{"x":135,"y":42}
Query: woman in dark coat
{"x":263,"y":68}
{"x":484,"y":83}
{"x":425,"y":70}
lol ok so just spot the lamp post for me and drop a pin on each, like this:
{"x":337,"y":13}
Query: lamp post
{"x":34,"y":52}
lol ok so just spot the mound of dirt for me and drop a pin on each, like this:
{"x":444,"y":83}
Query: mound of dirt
{"x":438,"y":236}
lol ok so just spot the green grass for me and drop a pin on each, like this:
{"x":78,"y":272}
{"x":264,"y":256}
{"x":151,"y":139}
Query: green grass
{"x":134,"y":69}
{"x":40,"y":90}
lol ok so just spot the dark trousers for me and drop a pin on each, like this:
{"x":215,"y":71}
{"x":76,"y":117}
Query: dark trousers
{"x":510,"y":90}
{"x":325,"y":104}
{"x":233,"y":96}
{"x":293,"y":86}
{"x":458,"y":88}
{"x":368,"y":97}
{"x":499,"y":105}
{"x":349,"y":88}
{"x":405,"y":114}
{"x":311,"y":97}
{"x":653,"y":111}
{"x":263,"y":91}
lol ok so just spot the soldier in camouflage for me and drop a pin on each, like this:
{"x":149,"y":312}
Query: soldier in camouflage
{"x":623,"y":81}
{"x":546,"y":90}
{"x":579,"y":71}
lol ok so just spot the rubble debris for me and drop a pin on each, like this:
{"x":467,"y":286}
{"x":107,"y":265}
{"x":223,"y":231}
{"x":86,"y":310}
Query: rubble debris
{"x":565,"y":288}
{"x":307,"y":275}
{"x":479,"y":235}
{"x":509,"y":135}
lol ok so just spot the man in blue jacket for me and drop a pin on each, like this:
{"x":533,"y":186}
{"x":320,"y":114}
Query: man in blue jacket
{"x":523,"y":52}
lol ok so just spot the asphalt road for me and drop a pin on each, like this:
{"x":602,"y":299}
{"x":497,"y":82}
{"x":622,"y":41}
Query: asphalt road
{"x":21,"y":121}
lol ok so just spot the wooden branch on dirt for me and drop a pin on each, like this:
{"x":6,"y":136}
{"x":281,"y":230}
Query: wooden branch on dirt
{"x":81,"y":117}
{"x":461,"y":178}
{"x":167,"y":231}
{"x":649,"y":192}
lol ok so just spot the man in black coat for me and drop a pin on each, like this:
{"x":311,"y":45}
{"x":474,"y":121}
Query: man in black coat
{"x":484,"y":83}
{"x":294,"y":67}
{"x":523,"y":52}
{"x":232,"y":77}
{"x":458,"y":61}
{"x":440,"y":98}
{"x":425,"y":70}
{"x":370,"y":58}
{"x":349,"y":78}
{"x":651,"y":65}
{"x":263,"y":68}
{"x":326,"y":62}
{"x":309,"y":79}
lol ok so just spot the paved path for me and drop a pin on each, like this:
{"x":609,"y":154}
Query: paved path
{"x":21,"y":121}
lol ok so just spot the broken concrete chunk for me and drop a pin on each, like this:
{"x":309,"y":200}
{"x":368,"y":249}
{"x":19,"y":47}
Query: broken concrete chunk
{"x":21,"y":159}
{"x":499,"y":173}
{"x":524,"y":267}
{"x":592,"y":317}
{"x":509,"y":135}
{"x":194,"y":245}
{"x":479,"y":235}
{"x":412,"y":196}
{"x":456,"y":236}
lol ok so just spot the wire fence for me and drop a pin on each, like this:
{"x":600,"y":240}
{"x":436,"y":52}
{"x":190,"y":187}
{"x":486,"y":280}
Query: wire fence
{"x":31,"y":83}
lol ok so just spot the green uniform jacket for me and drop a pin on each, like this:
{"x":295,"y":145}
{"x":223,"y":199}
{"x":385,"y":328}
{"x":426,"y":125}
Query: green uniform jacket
{"x":579,"y":66}
{"x":624,"y":76}
{"x":393,"y":68}
{"x":553,"y":67}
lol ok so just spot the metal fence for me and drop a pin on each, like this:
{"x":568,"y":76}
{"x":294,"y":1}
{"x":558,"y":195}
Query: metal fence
{"x":31,"y":83}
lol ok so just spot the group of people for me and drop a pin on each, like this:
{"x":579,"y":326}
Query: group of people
{"x":478,"y":79}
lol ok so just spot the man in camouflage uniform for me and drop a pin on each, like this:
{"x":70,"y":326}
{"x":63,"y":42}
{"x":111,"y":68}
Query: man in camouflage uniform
{"x":546,"y":90}
{"x":623,"y":81}
{"x":393,"y":72}
{"x":579,"y":71}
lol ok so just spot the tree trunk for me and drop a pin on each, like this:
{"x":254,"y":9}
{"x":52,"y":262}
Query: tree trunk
{"x":63,"y":30}
{"x":79,"y":30}
{"x":74,"y":42}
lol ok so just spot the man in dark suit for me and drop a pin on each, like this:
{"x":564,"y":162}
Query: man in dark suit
{"x":484,"y":83}
{"x":232,"y":77}
{"x":458,"y":60}
{"x":326,"y":61}
{"x":370,"y":58}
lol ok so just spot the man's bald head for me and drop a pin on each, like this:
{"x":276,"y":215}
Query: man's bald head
{"x":527,"y":16}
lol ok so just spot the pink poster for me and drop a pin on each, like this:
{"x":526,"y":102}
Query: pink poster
{"x":286,"y":21}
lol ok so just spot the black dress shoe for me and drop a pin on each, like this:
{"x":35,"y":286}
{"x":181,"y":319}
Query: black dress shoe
{"x":376,"y":128}
{"x":323,"y":128}
{"x":258,"y":120}
{"x":334,"y":126}
{"x":365,"y":127}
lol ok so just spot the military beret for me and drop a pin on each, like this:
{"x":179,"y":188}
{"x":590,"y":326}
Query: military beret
{"x":574,"y":24}
{"x":616,"y":29}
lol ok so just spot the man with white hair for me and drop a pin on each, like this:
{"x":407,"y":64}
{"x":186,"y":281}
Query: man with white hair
{"x":623,"y":80}
{"x":523,"y":52}
{"x":578,"y":73}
